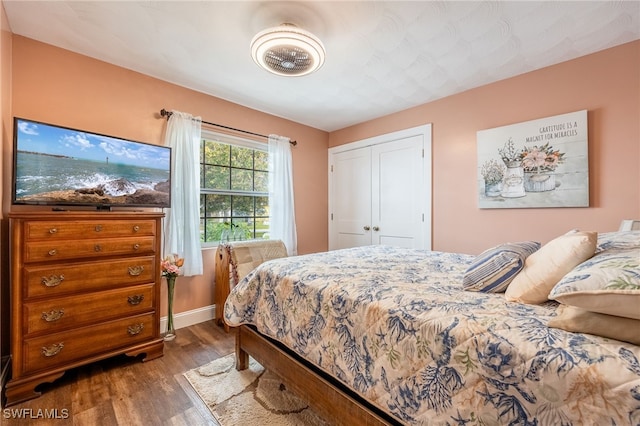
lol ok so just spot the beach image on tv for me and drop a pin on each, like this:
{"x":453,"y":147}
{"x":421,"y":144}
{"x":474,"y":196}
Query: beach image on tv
{"x":57,"y":165}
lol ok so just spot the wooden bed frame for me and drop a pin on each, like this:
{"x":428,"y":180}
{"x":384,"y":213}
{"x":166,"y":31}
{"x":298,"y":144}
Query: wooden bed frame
{"x":330,"y":399}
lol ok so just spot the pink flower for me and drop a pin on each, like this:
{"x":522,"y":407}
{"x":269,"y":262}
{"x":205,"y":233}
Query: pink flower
{"x":171,"y":265}
{"x":551,"y":161}
{"x":541,"y":158}
{"x":534,"y":158}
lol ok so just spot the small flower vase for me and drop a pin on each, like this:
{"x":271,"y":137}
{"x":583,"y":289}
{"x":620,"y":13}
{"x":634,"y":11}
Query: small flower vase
{"x":492,"y":189}
{"x":513,"y":181}
{"x":539,"y":182}
{"x":171,"y":331}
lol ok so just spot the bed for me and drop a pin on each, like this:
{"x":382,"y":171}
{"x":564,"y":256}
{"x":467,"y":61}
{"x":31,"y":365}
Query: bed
{"x":386,"y":335}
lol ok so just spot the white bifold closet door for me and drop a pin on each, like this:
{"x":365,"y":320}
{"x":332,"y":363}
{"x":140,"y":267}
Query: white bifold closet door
{"x":380,"y":193}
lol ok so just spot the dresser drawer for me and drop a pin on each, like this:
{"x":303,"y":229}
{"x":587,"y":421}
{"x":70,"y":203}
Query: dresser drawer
{"x":82,"y":277}
{"x":57,"y":349}
{"x":65,"y":312}
{"x":39,"y":251}
{"x":87,"y":229}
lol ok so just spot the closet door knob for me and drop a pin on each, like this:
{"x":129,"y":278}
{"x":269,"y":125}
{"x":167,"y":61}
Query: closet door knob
{"x":366,"y":228}
{"x":375,"y":228}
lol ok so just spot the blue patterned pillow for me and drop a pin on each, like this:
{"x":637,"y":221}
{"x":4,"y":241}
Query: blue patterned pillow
{"x":493,"y":269}
{"x":618,"y":240}
{"x":608,"y":283}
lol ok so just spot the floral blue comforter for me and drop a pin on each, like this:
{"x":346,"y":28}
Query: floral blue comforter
{"x":395,"y":326}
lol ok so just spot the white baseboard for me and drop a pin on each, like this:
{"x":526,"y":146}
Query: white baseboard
{"x":187,"y":318}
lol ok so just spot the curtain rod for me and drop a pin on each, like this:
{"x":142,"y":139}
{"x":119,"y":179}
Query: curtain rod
{"x":165,"y":113}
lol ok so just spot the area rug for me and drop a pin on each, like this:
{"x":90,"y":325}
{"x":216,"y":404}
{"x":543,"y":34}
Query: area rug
{"x":249,"y":397}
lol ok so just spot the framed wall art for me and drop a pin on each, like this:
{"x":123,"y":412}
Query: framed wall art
{"x":537,"y":163}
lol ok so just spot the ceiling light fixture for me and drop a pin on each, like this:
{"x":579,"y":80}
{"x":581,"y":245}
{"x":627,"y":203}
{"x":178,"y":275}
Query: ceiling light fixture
{"x":287,"y":50}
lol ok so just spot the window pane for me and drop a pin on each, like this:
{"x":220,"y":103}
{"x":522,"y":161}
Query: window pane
{"x":242,"y":206}
{"x":216,"y":153}
{"x":216,"y":177}
{"x":262,"y":206}
{"x":241,"y":157}
{"x":261,"y":181}
{"x":262,"y":228}
{"x":261,"y":160}
{"x":214,"y":230}
{"x":242,"y":229}
{"x":241,"y":180}
{"x":217,"y":205}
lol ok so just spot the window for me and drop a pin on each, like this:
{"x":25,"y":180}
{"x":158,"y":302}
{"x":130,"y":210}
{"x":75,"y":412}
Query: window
{"x":234,"y":197}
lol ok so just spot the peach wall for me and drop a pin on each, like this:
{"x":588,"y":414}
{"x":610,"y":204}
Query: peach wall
{"x":606,"y":83}
{"x":60,"y":87}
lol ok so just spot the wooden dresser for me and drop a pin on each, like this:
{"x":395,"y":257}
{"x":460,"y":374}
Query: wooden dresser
{"x":84,"y":286}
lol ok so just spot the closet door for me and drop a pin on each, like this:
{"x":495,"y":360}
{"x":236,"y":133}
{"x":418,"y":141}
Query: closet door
{"x":380,"y":191}
{"x":397,"y":189}
{"x":351,"y":198}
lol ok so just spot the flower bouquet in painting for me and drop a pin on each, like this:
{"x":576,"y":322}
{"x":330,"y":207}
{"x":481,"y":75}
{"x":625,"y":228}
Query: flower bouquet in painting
{"x":539,"y":164}
{"x":492,"y":173}
{"x":513,"y":181}
{"x":171,"y":270}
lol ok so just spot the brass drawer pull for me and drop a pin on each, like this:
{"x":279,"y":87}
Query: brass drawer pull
{"x":52,"y":252}
{"x":136,"y":299}
{"x":98,"y":228}
{"x":52,"y":281}
{"x":97,"y":248}
{"x":134,"y":271}
{"x":53,"y":230}
{"x":135,"y":329}
{"x":136,"y":246}
{"x":53,"y":350}
{"x":53,"y":315}
{"x":136,"y":228}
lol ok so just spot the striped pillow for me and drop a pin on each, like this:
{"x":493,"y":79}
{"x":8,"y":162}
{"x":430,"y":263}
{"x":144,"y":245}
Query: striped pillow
{"x":493,"y":269}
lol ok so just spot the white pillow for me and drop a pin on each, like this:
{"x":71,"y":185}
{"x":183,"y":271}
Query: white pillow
{"x":546,"y":267}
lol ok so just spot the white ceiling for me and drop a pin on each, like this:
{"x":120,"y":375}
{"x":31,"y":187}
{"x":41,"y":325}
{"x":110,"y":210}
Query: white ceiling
{"x":382,"y":56}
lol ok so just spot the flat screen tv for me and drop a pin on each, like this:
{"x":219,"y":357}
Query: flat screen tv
{"x":60,"y":166}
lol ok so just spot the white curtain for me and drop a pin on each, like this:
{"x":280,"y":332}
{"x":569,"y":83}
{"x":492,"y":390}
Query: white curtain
{"x":282,"y":217}
{"x":182,"y":221}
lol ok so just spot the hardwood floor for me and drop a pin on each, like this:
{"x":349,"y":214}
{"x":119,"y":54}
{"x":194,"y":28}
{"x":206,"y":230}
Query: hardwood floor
{"x":126,"y":391}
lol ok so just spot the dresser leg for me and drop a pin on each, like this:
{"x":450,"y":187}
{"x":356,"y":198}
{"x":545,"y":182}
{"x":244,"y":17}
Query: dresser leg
{"x":21,"y":390}
{"x":152,"y":350}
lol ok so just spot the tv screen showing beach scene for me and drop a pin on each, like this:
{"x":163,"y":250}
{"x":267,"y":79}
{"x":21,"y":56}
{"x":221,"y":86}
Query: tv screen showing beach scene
{"x":55,"y":165}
